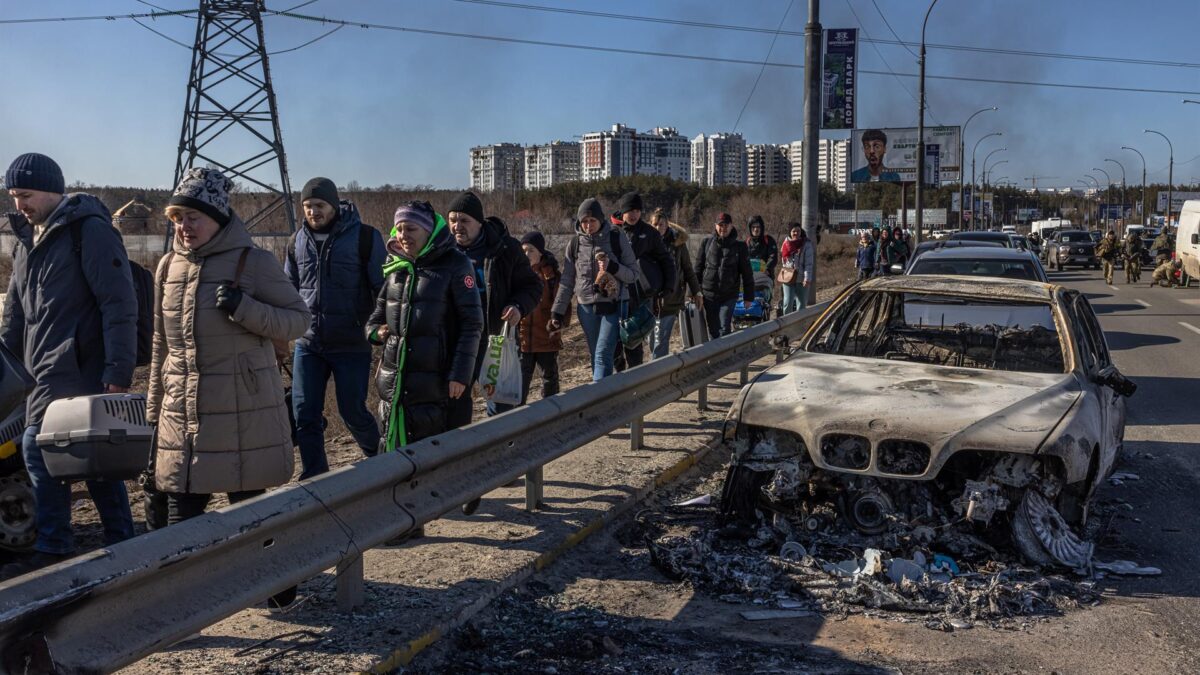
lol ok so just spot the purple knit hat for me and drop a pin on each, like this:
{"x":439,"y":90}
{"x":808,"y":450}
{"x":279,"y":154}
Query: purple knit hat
{"x":418,"y":213}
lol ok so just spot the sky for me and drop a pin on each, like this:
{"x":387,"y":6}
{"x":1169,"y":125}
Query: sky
{"x":105,"y":98}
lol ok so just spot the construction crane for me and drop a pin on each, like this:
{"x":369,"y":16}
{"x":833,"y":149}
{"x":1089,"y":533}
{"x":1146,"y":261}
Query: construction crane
{"x":1034,"y":179}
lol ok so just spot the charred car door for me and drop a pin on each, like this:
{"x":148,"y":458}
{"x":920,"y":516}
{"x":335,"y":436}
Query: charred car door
{"x":1100,"y":383}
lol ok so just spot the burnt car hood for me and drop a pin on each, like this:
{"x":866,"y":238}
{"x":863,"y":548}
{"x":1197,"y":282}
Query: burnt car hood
{"x":947,"y":408}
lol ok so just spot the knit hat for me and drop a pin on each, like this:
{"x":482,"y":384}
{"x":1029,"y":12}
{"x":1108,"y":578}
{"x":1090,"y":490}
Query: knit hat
{"x":321,"y":188}
{"x":724,"y":218}
{"x":469,"y":204}
{"x":418,"y":213}
{"x":590,"y":208}
{"x":536,"y":240}
{"x":630,"y":201}
{"x":207,"y":191}
{"x":33,"y":171}
{"x":755,"y":220}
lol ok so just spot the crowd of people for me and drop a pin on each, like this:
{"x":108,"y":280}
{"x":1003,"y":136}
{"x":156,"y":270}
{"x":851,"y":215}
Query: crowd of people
{"x":880,"y":249}
{"x":226,"y":316}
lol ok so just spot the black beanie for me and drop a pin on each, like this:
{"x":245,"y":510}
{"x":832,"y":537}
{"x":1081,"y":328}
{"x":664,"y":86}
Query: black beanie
{"x":321,"y":188}
{"x":34,"y":171}
{"x":630,"y":201}
{"x":469,"y":204}
{"x":590,"y":208}
{"x":755,"y":220}
{"x":536,"y":240}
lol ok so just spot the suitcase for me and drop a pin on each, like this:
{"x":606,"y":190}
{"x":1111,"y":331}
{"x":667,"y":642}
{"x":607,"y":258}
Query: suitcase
{"x":692,"y":329}
{"x":101,"y":437}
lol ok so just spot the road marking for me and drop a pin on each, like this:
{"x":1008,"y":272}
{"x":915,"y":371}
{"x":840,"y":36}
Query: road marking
{"x":1190,"y":327}
{"x":1143,"y":303}
{"x":1114,"y":288}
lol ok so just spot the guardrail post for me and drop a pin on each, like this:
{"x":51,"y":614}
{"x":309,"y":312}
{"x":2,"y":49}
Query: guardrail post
{"x":533,"y":489}
{"x":350,"y":593}
{"x":702,"y":398}
{"x":635,"y":433}
{"x":744,"y":375}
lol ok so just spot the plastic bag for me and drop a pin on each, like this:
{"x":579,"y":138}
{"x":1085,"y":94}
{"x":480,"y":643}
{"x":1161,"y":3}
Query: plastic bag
{"x":501,"y":368}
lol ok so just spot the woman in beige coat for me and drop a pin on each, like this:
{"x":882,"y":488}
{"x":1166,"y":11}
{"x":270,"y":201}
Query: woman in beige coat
{"x":215,"y":392}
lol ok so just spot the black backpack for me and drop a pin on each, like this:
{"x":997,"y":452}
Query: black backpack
{"x":143,"y":289}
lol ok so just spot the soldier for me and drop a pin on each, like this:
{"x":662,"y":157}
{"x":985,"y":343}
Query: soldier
{"x":1106,"y":250}
{"x":1165,"y":274}
{"x":1133,"y":257}
{"x":1164,"y":245}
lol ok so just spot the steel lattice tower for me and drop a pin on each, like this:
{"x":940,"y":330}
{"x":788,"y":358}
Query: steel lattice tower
{"x":231,"y":120}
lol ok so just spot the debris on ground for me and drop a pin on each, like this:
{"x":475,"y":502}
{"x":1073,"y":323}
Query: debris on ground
{"x":1120,"y":477}
{"x":1127,"y":568}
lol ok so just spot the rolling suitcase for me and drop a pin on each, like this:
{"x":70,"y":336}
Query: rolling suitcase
{"x":692,"y":330}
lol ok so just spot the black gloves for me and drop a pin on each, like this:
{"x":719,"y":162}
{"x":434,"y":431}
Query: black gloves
{"x":228,"y":298}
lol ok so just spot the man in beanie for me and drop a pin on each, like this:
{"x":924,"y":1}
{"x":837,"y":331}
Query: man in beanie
{"x":723,"y":265}
{"x":508,"y":288}
{"x":71,"y":315}
{"x":657,"y":275}
{"x":336,"y":262}
{"x":762,"y":246}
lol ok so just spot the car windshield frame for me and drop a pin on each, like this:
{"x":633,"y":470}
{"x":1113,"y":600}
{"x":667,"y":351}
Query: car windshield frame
{"x":1025,"y":265}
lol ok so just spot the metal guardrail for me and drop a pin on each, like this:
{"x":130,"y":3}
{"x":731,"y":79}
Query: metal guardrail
{"x":109,"y":608}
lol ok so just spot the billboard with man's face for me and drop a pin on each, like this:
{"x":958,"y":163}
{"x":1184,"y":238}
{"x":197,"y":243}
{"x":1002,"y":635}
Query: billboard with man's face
{"x":890,"y":155}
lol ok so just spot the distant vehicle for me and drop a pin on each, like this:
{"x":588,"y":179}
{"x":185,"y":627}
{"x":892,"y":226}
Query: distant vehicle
{"x":1071,"y":247}
{"x":927,"y":246}
{"x":1041,"y":226}
{"x":981,"y":261}
{"x":1022,"y":242}
{"x":1011,"y":229}
{"x":1187,"y":238}
{"x":1005,"y":240}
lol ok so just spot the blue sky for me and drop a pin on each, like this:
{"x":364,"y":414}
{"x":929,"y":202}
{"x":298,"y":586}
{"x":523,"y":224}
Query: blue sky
{"x":105,"y":98}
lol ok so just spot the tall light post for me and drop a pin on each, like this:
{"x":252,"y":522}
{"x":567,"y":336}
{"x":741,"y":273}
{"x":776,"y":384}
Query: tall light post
{"x":973,"y":186}
{"x":1107,"y":193}
{"x":1145,"y":215}
{"x":962,"y":204}
{"x":1098,"y":188}
{"x":1122,"y":187}
{"x":991,"y":216}
{"x":921,"y":134}
{"x":1170,"y":172}
{"x":987,"y":173}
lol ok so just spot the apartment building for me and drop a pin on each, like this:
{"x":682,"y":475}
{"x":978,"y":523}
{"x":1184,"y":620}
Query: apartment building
{"x":500,"y":166}
{"x":551,"y":164}
{"x":719,"y":159}
{"x":768,"y":164}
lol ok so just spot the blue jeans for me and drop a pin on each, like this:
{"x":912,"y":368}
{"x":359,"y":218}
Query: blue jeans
{"x":719,"y":317}
{"x":794,"y":296}
{"x":351,"y":373}
{"x":53,"y":499}
{"x":602,"y":332}
{"x":660,"y":338}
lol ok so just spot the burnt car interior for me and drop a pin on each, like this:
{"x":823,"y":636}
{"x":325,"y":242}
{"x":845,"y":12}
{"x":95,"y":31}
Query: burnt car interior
{"x":945,"y":330}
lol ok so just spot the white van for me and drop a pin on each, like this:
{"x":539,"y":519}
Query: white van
{"x":1187,"y":238}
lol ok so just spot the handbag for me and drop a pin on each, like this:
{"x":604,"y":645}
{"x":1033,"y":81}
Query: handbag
{"x":634,"y":328}
{"x":786,"y":275}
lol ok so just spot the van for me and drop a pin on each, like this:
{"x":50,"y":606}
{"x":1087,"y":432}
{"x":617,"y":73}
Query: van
{"x":1187,"y":238}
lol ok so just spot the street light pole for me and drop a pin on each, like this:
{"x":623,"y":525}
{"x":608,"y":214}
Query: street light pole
{"x":962,"y":204}
{"x":973,"y":186}
{"x":1107,"y":193}
{"x":1145,"y":215}
{"x":985,"y":170}
{"x":1122,"y":188}
{"x":1097,"y":180}
{"x":1170,"y":172}
{"x":920,"y":205}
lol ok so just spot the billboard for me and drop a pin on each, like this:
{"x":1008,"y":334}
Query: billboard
{"x":1116,"y":211}
{"x":928,"y":217}
{"x":890,"y":155}
{"x":1026,"y":215}
{"x":1177,"y":200}
{"x":837,"y":84}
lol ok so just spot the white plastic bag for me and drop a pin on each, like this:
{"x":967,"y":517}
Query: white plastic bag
{"x":501,"y":368}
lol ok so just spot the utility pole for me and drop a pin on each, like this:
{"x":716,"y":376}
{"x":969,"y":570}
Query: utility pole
{"x":920,"y":205}
{"x":1170,"y":175}
{"x":1145,"y":214}
{"x":229,"y":93}
{"x":810,"y":213}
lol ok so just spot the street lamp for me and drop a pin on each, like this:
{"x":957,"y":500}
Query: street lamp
{"x":1170,"y":171}
{"x":973,"y":150}
{"x":1122,"y":187}
{"x":988,"y":172}
{"x":1107,"y":194}
{"x":1188,"y":100}
{"x":921,"y":132}
{"x":1145,"y":215}
{"x":962,"y":204}
{"x":991,"y":216}
{"x":1097,"y":181}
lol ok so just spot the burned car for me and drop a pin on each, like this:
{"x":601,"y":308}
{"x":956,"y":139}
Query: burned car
{"x":925,"y":401}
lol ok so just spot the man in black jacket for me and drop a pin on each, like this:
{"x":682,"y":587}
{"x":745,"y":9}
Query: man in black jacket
{"x":656,"y":277}
{"x":762,"y":246}
{"x":723,"y":261}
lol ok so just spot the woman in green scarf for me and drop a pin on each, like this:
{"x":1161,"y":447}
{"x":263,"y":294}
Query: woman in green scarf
{"x":428,"y":317}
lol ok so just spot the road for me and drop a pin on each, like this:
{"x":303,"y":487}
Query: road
{"x":1143,"y":625}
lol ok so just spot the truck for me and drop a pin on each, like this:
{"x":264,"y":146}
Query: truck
{"x":1187,"y":239}
{"x":1044,"y":227}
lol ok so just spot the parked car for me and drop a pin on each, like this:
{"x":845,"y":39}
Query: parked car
{"x":980,"y":262}
{"x":929,"y":400}
{"x":1003,"y":238}
{"x":1071,"y":247}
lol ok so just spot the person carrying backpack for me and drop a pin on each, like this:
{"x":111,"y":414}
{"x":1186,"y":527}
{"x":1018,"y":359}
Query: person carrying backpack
{"x":335,"y":261}
{"x":72,"y":319}
{"x":656,"y":272}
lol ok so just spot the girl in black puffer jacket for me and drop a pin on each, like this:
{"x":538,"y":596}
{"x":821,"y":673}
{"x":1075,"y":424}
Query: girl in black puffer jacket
{"x":429,"y":318}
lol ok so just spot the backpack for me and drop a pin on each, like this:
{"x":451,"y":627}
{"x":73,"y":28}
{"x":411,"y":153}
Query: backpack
{"x":143,"y":290}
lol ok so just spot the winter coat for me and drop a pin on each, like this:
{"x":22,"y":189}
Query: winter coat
{"x":800,"y":255}
{"x":765,"y":249}
{"x":866,"y":256}
{"x":71,"y":315}
{"x":507,"y":280}
{"x":891,"y":252}
{"x":215,"y":391}
{"x":435,"y":324}
{"x":534,"y":336}
{"x":657,"y":268}
{"x":579,"y":273}
{"x":338,"y":289}
{"x":686,"y":283}
{"x":722,"y":263}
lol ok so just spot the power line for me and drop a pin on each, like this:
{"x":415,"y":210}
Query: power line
{"x":162,"y":35}
{"x":892,"y":30}
{"x":302,"y":46}
{"x":863,"y":27}
{"x":274,"y":53}
{"x":898,"y":42}
{"x":764,"y":65}
{"x":102,"y":17}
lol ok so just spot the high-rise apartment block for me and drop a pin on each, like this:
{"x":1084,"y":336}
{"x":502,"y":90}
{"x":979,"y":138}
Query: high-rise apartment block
{"x":768,"y":164}
{"x":833,"y":162}
{"x":551,"y":164}
{"x":719,"y":159}
{"x":500,"y":166}
{"x":605,"y":154}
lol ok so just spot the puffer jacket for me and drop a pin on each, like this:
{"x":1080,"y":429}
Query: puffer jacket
{"x":686,"y":284}
{"x":579,"y":273}
{"x":435,"y":323}
{"x":71,"y":315}
{"x":658,"y":274}
{"x":722,"y":263}
{"x":215,"y":391}
{"x":337,"y":288}
{"x":535,"y":338}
